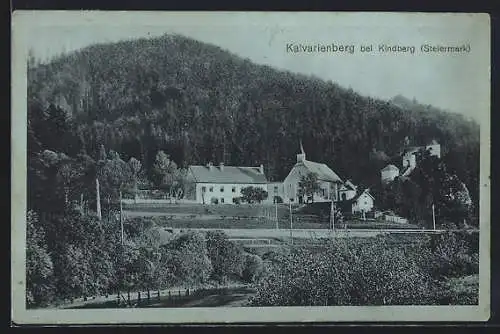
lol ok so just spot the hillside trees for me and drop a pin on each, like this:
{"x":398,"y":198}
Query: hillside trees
{"x":149,"y":99}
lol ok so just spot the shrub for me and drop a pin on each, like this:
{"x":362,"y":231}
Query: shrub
{"x":214,"y":200}
{"x":186,"y":259}
{"x":460,"y":291}
{"x":226,"y":257}
{"x":39,"y":266}
{"x":344,"y":274}
{"x":253,"y":269}
{"x":453,"y":256}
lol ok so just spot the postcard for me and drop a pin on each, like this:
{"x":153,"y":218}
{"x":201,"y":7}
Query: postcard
{"x":250,"y":167}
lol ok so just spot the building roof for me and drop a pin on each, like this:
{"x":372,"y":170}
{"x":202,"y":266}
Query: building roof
{"x":359,"y":194}
{"x":322,"y":171}
{"x":390,"y":167}
{"x":348,"y":185}
{"x":229,"y":174}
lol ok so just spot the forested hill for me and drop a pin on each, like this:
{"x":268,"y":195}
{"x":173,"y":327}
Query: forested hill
{"x":200,"y":103}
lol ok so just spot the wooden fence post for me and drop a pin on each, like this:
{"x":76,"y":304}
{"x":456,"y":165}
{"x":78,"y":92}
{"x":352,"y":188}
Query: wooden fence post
{"x":138,"y":297}
{"x":118,"y":299}
{"x":159,"y":295}
{"x":128,"y":297}
{"x":149,"y":296}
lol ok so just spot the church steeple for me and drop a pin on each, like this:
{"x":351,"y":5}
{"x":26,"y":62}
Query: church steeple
{"x":302,"y":155}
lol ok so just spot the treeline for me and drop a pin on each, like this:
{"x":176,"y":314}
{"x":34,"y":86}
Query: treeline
{"x":72,"y":255}
{"x":200,"y":103}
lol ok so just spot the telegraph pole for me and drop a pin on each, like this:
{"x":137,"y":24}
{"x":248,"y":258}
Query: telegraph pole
{"x":276,"y":214}
{"x":291,"y":224}
{"x":433,"y":217}
{"x":332,"y":216}
{"x":121,"y":218}
{"x":98,"y":200}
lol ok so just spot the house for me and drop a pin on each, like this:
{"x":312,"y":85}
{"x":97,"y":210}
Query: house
{"x":389,"y":173}
{"x":347,"y":191}
{"x":329,"y":181}
{"x":409,"y":154}
{"x":408,"y":161}
{"x":222,"y":184}
{"x":362,"y":202}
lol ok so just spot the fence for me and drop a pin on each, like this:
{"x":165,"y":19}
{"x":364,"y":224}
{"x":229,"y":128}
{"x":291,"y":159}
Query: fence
{"x":395,"y":219}
{"x":150,"y":298}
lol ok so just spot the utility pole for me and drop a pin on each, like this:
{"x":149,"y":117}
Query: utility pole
{"x":98,"y":200}
{"x":291,"y":224}
{"x":332,"y":216}
{"x":433,"y":217}
{"x":121,"y":218}
{"x":276,"y":214}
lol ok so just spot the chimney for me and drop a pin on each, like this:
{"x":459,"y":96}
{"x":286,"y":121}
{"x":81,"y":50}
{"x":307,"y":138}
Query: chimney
{"x":221,"y":166}
{"x":261,"y":169}
{"x":210,"y":166}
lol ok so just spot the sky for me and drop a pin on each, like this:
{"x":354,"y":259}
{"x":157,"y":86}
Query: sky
{"x":455,"y":82}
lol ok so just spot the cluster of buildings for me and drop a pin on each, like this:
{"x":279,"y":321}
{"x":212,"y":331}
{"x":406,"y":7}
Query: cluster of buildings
{"x":408,"y":161}
{"x":220,"y":184}
{"x":223,"y":184}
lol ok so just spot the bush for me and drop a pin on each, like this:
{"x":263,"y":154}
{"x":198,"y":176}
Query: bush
{"x":453,"y":255}
{"x":358,"y":273}
{"x":214,"y":200}
{"x":186,"y":259}
{"x":460,"y":291}
{"x":226,"y":257}
{"x":39,"y":266}
{"x":253,"y":269}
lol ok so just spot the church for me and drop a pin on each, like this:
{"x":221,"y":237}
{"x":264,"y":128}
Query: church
{"x":288,"y":190}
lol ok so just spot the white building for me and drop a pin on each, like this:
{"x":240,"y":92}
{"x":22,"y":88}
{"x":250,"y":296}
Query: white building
{"x":347,"y":191}
{"x":389,"y":173}
{"x":363,"y":202}
{"x":222,"y":184}
{"x":329,"y":181}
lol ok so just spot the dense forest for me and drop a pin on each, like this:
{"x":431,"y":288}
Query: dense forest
{"x":200,"y":103}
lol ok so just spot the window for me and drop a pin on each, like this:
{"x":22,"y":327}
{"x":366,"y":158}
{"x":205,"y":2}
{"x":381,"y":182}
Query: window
{"x":221,"y":189}
{"x":203,"y":189}
{"x":366,"y":203}
{"x":233,"y":189}
{"x":275,"y":189}
{"x":222,"y":200}
{"x":211,"y":189}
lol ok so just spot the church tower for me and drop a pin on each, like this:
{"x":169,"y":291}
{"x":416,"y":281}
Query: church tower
{"x":302,"y":155}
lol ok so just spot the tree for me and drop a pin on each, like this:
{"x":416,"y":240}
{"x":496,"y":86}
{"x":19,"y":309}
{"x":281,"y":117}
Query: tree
{"x":226,"y":257}
{"x":187,"y":258}
{"x":253,"y":194}
{"x":39,"y":266}
{"x":135,"y":166}
{"x":115,"y":176}
{"x":167,"y":176}
{"x":309,"y":185}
